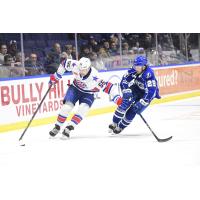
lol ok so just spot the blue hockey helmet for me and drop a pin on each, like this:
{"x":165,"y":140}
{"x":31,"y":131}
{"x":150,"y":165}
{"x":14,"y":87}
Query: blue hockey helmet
{"x":140,"y":61}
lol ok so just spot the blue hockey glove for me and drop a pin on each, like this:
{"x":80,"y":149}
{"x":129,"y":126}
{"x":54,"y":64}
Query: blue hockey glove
{"x":127,"y":94}
{"x":140,"y":106}
{"x":127,"y":99}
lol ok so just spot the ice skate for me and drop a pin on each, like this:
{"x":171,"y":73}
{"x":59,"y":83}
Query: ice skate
{"x":54,"y":131}
{"x":117,"y":130}
{"x":111,"y":127}
{"x":66,"y":132}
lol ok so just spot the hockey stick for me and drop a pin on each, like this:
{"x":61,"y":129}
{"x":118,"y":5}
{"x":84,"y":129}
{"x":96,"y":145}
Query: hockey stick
{"x":35,"y":113}
{"x":157,"y":138}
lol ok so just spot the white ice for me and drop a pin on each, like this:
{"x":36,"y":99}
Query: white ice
{"x":93,"y":165}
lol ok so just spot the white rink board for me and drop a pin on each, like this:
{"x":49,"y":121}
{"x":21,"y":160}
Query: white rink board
{"x":19,"y":98}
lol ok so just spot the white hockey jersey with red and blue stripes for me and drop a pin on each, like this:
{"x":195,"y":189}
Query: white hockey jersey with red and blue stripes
{"x":90,"y":83}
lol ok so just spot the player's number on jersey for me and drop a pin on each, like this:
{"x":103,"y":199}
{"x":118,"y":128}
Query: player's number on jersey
{"x":102,"y":83}
{"x":151,"y":83}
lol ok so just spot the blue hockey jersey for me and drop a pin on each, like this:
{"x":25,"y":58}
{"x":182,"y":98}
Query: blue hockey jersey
{"x":143,"y":86}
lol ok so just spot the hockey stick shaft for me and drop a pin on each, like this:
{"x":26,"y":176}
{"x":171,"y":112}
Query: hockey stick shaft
{"x":157,"y":138}
{"x":35,"y":112}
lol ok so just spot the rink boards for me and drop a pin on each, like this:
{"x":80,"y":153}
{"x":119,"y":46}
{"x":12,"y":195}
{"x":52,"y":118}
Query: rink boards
{"x":19,"y":98}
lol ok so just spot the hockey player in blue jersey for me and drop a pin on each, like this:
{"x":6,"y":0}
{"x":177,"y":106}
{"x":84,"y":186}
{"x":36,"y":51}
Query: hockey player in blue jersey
{"x":139,"y":87}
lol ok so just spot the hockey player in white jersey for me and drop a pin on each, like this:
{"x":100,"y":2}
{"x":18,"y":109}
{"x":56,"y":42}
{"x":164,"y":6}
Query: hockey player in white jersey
{"x":86,"y":82}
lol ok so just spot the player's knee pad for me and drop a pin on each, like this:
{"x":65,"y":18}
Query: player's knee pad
{"x":83,"y":109}
{"x":66,"y":108}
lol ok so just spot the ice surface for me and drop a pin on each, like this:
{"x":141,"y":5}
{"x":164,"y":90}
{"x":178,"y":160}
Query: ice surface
{"x":93,"y":165}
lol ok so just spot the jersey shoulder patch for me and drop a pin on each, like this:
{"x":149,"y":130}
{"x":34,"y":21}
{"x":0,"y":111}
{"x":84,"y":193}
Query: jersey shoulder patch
{"x":148,"y":74}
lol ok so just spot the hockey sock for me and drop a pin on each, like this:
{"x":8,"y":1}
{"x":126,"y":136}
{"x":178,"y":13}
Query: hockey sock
{"x":124,"y":123}
{"x":66,"y":109}
{"x":61,"y":120}
{"x":76,"y":119}
{"x":80,"y":114}
{"x":118,"y":115}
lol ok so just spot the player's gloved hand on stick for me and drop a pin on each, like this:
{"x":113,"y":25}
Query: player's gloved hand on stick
{"x":53,"y":80}
{"x":140,"y":106}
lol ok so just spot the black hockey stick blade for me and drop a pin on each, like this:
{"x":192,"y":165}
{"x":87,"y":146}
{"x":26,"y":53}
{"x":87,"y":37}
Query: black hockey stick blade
{"x":157,"y":138}
{"x":165,"y":139}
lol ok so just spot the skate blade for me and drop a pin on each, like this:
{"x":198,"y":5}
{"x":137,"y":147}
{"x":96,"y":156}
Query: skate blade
{"x":113,"y":134}
{"x":52,"y":137}
{"x":63,"y":137}
{"x":110,"y":131}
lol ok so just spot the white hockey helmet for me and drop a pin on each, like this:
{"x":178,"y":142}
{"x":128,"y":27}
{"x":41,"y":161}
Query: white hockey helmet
{"x":84,"y":63}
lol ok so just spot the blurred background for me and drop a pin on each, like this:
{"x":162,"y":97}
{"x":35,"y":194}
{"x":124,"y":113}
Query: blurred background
{"x":30,"y":54}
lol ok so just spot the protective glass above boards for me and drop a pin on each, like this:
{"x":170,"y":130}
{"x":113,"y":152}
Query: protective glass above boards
{"x":33,"y":54}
